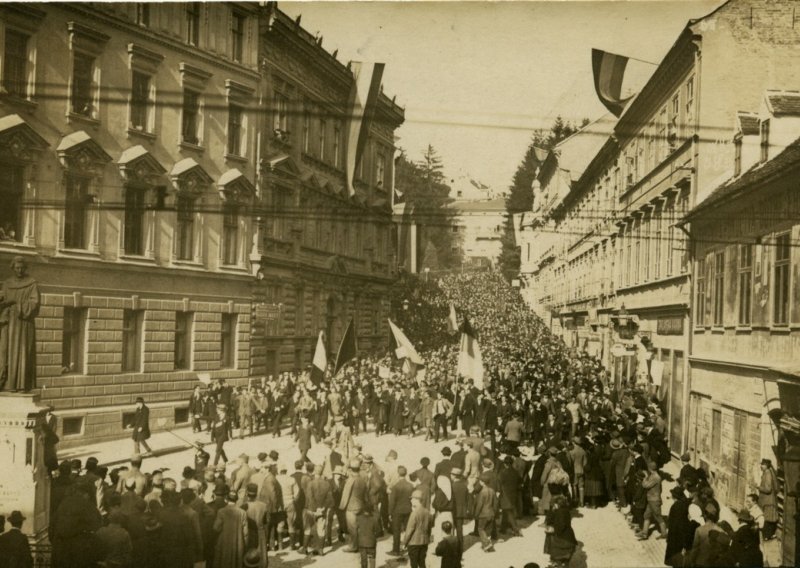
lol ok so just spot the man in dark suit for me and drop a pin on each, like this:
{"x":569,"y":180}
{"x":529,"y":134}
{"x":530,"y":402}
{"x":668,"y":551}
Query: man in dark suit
{"x":15,"y":551}
{"x":354,"y":498}
{"x":510,"y":487}
{"x":141,"y":426}
{"x":220,"y":433}
{"x":399,"y":507}
{"x":426,"y":481}
{"x":462,"y":502}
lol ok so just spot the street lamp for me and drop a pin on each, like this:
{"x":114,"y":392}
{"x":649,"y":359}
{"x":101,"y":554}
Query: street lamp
{"x":623,"y":316}
{"x":405,"y":305}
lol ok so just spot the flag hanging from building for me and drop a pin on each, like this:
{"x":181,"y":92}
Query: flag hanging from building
{"x":363,"y":95}
{"x":609,"y":71}
{"x":470,"y":362}
{"x":452,"y":320}
{"x":405,"y":350}
{"x":320,"y":361}
{"x":347,"y":348}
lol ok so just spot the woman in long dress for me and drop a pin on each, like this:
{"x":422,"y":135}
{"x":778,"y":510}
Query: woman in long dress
{"x":20,"y":305}
{"x":560,"y":541}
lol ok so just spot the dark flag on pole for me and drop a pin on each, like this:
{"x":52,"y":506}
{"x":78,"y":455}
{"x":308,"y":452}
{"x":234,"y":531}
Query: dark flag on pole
{"x":347,"y":348}
{"x":609,"y":70}
{"x":320,"y":361}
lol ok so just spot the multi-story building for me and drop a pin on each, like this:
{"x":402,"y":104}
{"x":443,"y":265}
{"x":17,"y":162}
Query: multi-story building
{"x":128,"y":152}
{"x":616,"y":282}
{"x":745,"y":393}
{"x":480,"y":224}
{"x":325,"y":256}
{"x":174,"y":174}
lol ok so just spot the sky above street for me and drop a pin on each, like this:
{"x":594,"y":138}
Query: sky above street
{"x":477,"y":78}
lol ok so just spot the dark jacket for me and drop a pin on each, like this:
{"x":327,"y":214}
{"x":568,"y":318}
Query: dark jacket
{"x":400,"y":497}
{"x":15,"y":552}
{"x":141,"y":423}
{"x":177,"y":536}
{"x":510,"y":485}
{"x":462,"y":500}
{"x":450,"y":551}
{"x":680,"y":530}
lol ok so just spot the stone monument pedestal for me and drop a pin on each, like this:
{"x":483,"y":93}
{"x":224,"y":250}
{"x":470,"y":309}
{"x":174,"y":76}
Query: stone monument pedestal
{"x":24,"y":481}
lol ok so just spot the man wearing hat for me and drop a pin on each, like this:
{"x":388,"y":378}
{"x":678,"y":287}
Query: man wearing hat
{"x":220,"y":433}
{"x":354,"y":497}
{"x":688,"y":473}
{"x":745,"y":542}
{"x":768,"y":498}
{"x":417,"y":535}
{"x":14,"y":547}
{"x":270,"y":495}
{"x":141,"y":426}
{"x":399,"y":507}
{"x":319,"y":501}
{"x":462,"y":502}
{"x":257,"y":524}
{"x":337,"y":487}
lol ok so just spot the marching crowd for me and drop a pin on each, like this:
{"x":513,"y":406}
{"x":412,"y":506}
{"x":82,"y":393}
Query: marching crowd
{"x":542,"y":435}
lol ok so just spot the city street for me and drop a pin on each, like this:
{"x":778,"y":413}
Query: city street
{"x":607,"y":539}
{"x":571,"y":228}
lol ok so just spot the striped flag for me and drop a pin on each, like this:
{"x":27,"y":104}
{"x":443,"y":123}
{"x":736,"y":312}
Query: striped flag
{"x":347,"y":348}
{"x":363,"y":95}
{"x":470,"y":362}
{"x":609,"y":71}
{"x":320,"y":361}
{"x":452,"y":320}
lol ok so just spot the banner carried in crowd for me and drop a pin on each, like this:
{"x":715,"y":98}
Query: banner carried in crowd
{"x":470,"y":362}
{"x":320,"y":362}
{"x":347,"y":348}
{"x":405,"y":349}
{"x":452,"y":320}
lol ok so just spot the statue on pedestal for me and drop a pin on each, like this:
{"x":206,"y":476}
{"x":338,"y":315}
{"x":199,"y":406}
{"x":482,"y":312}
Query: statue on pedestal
{"x":19,"y":305}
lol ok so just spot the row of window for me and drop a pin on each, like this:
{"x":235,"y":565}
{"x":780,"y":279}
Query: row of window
{"x":322,"y":138}
{"x":647,"y":248}
{"x":278,"y":326}
{"x":80,"y":212}
{"x":654,"y":143}
{"x":75,"y":332}
{"x":710,"y":286}
{"x":85,"y":94}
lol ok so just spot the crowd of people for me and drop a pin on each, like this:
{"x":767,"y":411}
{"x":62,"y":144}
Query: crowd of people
{"x":542,"y":434}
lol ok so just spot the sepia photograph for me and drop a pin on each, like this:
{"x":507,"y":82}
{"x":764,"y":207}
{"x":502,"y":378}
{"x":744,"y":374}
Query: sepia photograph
{"x":400,"y":284}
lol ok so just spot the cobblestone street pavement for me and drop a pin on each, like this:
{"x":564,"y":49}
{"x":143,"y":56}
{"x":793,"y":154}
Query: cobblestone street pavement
{"x":606,"y":538}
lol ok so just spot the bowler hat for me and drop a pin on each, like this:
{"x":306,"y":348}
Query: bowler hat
{"x":16,"y":517}
{"x":139,"y":399}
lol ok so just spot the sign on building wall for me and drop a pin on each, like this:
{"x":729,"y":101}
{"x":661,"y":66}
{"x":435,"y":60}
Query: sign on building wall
{"x":670,"y":326}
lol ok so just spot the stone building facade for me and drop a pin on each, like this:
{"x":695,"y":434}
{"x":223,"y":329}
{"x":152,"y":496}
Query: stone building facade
{"x":615,"y":279}
{"x":128,"y":154}
{"x":325,"y":256}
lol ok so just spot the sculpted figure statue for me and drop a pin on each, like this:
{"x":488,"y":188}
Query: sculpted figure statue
{"x":19,"y":305}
